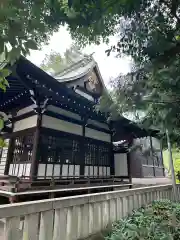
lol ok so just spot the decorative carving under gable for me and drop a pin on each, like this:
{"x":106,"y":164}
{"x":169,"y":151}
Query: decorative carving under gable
{"x":92,"y":84}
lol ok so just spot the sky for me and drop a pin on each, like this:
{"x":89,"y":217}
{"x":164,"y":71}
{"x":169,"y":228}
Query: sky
{"x":110,"y":67}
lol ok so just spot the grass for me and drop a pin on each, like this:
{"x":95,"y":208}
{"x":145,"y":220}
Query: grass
{"x":176,"y":160}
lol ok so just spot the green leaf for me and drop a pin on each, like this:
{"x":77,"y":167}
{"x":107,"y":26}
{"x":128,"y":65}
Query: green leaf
{"x":5,"y":72}
{"x":177,"y":37}
{"x":14,"y":54}
{"x":1,"y":45}
{"x":1,"y":124}
{"x":2,"y":86}
{"x":6,"y":82}
{"x":132,"y":227}
{"x":31,"y":44}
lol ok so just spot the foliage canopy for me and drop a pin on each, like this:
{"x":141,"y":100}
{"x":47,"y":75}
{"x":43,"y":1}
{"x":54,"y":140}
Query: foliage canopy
{"x":149,"y":32}
{"x":57,"y":62}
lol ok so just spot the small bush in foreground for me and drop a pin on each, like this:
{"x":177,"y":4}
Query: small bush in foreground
{"x":158,"y":221}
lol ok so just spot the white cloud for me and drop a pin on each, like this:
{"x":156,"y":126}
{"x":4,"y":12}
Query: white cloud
{"x":110,"y":67}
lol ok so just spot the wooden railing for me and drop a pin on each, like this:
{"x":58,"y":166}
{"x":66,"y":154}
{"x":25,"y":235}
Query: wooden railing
{"x":75,"y":217}
{"x":21,"y":184}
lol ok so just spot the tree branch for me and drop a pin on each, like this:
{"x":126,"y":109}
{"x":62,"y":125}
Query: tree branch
{"x":173,"y":8}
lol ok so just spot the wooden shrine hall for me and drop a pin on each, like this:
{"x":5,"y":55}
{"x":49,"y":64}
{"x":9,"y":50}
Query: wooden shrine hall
{"x":54,"y":137}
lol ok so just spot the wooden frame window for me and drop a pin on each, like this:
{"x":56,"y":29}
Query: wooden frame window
{"x":59,"y":149}
{"x":23,"y":146}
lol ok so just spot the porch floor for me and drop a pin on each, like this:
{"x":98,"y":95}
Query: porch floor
{"x":25,"y":189}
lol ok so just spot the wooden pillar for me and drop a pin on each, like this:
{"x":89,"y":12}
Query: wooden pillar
{"x":34,"y":162}
{"x":9,"y":155}
{"x":112,"y":167}
{"x":82,"y":149}
{"x":10,"y":148}
{"x":129,"y":168}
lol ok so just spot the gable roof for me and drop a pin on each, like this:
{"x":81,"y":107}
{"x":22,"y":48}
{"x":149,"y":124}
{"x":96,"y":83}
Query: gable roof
{"x":30,"y":77}
{"x":81,"y":68}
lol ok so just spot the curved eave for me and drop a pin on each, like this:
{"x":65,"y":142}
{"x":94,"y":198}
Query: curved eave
{"x":73,"y":75}
{"x":127,"y":130}
{"x":18,"y":94}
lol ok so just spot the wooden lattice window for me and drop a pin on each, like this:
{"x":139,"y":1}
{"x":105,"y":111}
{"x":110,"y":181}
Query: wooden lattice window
{"x":23,"y":146}
{"x":97,"y":154}
{"x":59,"y":149}
{"x":91,"y":153}
{"x":49,"y":149}
{"x":104,"y":156}
{"x":76,"y":152}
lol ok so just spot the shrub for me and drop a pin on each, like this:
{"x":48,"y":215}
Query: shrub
{"x":158,"y":221}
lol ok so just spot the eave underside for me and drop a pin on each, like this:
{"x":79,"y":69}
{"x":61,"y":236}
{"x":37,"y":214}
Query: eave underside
{"x":44,"y":86}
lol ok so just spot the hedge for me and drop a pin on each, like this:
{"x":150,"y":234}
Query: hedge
{"x":158,"y":221}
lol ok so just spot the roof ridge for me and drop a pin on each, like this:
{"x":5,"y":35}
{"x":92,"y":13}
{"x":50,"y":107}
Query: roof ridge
{"x":87,"y":59}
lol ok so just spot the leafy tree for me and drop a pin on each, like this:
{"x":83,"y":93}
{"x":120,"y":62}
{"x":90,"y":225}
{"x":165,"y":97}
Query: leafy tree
{"x":25,"y":25}
{"x":149,"y":31}
{"x":56,"y":62}
{"x":176,"y":161}
{"x":53,"y":61}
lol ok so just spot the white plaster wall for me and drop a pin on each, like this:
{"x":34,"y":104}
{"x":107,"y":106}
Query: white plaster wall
{"x":91,"y":171}
{"x":28,"y":169}
{"x":57,"y":170}
{"x":25,"y":110}
{"x":25,"y":123}
{"x":86,"y":171}
{"x":20,"y":172}
{"x":3,"y":158}
{"x":91,"y":133}
{"x":95,"y":171}
{"x":20,"y":169}
{"x":85,"y":95}
{"x":71,"y":170}
{"x":63,"y":112}
{"x":41,"y":170}
{"x":65,"y":170}
{"x":49,"y":170}
{"x":60,"y":125}
{"x":100,"y":171}
{"x":108,"y":171}
{"x":120,"y":162}
{"x":104,"y":171}
{"x":77,"y":170}
{"x":98,"y":124}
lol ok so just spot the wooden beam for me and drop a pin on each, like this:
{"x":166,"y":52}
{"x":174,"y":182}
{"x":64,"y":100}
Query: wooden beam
{"x":9,"y":155}
{"x":82,"y":148}
{"x":10,"y":149}
{"x":129,"y":169}
{"x":151,"y":155}
{"x":112,"y":169}
{"x":34,"y":162}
